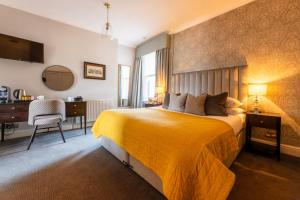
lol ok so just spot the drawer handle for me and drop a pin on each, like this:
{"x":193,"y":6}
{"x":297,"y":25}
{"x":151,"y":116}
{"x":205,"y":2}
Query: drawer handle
{"x":13,"y":117}
{"x":13,"y":108}
{"x":75,"y":112}
{"x":261,"y":122}
{"x":75,"y":105}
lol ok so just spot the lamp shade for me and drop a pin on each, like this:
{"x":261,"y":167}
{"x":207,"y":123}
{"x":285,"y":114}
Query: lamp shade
{"x":257,"y":89}
{"x":159,"y":90}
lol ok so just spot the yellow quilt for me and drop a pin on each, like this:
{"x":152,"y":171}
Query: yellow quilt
{"x":187,"y":152}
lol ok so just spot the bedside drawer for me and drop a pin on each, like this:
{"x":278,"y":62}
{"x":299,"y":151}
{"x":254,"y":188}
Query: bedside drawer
{"x":14,"y":108}
{"x":262,"y":121}
{"x":75,"y":112}
{"x":13,"y":117}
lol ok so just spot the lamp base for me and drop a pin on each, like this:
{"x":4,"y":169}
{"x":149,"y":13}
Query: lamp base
{"x":255,"y":111}
{"x":256,"y":107}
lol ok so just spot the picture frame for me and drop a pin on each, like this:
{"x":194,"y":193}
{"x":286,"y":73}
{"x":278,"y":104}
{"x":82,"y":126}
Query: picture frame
{"x":94,"y":71}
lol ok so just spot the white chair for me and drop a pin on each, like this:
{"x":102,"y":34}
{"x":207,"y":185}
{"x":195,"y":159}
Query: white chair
{"x":43,"y":113}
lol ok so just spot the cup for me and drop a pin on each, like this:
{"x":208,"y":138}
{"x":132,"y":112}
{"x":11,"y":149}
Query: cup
{"x":70,"y":98}
{"x":40,"y":97}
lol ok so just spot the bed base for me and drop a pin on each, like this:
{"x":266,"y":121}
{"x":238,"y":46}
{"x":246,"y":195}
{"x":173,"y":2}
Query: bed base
{"x":142,"y":170}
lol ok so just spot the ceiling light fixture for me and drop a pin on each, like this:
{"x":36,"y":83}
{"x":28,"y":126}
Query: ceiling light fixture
{"x":108,"y":28}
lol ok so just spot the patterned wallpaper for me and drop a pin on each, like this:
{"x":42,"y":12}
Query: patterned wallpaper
{"x":265,"y":35}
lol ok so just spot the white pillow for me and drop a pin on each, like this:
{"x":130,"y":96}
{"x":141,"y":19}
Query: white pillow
{"x":235,"y":111}
{"x":232,"y":103}
{"x":177,"y":102}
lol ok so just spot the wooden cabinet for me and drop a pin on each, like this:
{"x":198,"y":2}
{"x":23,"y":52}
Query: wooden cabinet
{"x":75,"y":109}
{"x":263,"y":120}
{"x":14,"y":112}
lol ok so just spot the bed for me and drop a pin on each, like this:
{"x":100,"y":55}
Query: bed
{"x":146,"y":140}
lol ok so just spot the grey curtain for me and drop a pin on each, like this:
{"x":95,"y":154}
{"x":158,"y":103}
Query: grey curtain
{"x":136,"y":95}
{"x":162,"y":69}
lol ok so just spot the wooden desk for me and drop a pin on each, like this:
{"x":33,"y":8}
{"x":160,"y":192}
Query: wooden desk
{"x":18,"y":112}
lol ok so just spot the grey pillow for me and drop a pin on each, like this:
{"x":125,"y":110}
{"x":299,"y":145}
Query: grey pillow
{"x":195,"y":105}
{"x":177,"y":102}
{"x":215,"y":105}
{"x":167,"y":100}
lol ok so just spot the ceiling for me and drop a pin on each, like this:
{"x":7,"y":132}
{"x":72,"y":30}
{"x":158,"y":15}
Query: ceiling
{"x":133,"y":21}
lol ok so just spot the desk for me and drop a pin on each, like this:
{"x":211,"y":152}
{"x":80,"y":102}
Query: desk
{"x":18,"y":112}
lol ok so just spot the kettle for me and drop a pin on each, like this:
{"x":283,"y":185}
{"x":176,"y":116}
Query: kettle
{"x":4,"y":94}
{"x":18,"y":93}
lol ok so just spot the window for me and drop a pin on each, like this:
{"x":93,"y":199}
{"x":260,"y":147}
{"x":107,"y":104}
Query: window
{"x":148,"y":76}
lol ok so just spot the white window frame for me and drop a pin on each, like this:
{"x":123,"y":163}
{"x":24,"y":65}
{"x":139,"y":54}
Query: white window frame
{"x":148,"y":61}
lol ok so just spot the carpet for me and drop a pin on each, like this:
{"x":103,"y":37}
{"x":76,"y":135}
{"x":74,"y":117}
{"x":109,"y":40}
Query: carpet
{"x":82,"y":169}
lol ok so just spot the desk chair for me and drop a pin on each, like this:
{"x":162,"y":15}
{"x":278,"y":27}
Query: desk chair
{"x":45,"y":113}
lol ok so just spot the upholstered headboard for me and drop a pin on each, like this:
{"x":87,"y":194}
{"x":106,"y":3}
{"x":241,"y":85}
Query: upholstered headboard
{"x":231,"y":79}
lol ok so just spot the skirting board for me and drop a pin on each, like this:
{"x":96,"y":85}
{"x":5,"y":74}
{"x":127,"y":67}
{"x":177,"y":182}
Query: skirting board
{"x":284,"y":148}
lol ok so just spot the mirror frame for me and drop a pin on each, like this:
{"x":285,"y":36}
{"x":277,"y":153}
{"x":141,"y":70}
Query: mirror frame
{"x":119,"y":81}
{"x":44,"y":81}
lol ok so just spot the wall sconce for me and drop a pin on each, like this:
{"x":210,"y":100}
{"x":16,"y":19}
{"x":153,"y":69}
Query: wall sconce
{"x":257,"y":90}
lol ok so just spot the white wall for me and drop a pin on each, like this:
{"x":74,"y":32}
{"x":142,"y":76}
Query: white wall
{"x":63,"y":45}
{"x":126,"y":55}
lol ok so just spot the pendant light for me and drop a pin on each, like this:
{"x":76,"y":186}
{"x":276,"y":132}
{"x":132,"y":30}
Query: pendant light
{"x":108,"y":28}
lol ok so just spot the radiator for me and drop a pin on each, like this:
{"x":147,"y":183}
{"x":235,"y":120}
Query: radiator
{"x":95,"y":107}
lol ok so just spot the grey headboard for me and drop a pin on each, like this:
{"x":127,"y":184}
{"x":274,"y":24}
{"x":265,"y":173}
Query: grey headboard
{"x":231,"y":79}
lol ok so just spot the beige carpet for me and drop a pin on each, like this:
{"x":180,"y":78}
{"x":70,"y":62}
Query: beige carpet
{"x":81,"y":169}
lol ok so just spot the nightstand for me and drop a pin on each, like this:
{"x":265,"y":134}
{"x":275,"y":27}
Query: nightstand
{"x":148,"y":104}
{"x":263,"y":120}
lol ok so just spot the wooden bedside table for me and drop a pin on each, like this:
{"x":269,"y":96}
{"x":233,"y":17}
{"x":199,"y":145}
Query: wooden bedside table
{"x":263,"y":120}
{"x":148,"y":104}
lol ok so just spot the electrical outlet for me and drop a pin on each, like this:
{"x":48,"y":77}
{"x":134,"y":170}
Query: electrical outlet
{"x":11,"y":126}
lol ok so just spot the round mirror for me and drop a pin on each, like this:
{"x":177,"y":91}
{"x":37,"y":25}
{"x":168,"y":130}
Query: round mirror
{"x":58,"y":78}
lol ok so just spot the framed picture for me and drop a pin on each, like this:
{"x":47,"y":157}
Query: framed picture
{"x":94,"y":71}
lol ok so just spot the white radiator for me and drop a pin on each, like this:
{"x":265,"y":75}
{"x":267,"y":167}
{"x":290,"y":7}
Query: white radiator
{"x":95,"y":107}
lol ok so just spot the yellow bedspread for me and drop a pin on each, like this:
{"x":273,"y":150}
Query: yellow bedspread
{"x":187,"y":152}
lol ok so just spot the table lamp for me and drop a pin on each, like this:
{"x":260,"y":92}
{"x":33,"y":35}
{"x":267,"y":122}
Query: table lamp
{"x":257,"y":90}
{"x":159,"y":92}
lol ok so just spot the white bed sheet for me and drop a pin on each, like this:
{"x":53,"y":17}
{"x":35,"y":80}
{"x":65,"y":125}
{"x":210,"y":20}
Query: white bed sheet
{"x":235,"y":121}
